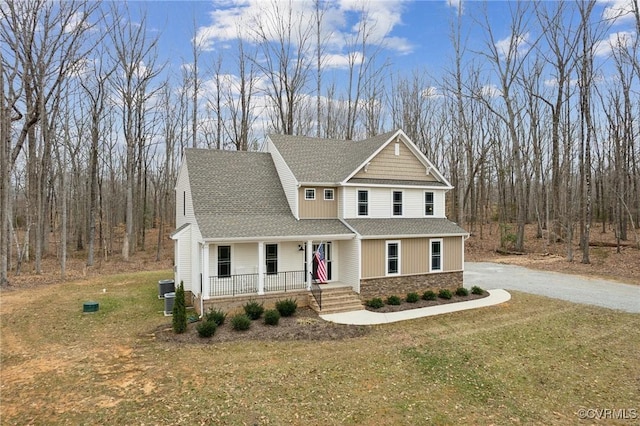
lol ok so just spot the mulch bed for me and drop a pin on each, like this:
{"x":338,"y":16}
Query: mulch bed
{"x":426,"y":303}
{"x":304,"y":325}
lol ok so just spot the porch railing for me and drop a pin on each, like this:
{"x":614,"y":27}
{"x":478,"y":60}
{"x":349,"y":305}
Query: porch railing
{"x":233,"y":285}
{"x":284,"y":281}
{"x":248,"y":283}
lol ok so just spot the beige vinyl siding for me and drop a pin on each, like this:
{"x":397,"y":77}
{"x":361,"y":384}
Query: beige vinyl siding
{"x":452,"y":252}
{"x":373,"y":258}
{"x":318,"y":208}
{"x":387,"y":165}
{"x":414,"y":256}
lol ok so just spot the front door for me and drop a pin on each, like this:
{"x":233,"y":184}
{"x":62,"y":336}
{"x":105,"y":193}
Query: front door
{"x":327,"y":258}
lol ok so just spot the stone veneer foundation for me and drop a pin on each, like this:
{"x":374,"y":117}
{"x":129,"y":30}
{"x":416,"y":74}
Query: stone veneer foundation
{"x":400,"y":286}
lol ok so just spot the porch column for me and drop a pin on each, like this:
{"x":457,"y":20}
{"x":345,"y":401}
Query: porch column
{"x":261,"y":267}
{"x":309,"y":263}
{"x":205,"y":272}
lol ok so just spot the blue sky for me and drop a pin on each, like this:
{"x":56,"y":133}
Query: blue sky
{"x":412,"y":35}
{"x":416,"y":32}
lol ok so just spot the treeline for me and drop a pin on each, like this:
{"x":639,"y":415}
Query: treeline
{"x":539,"y":127}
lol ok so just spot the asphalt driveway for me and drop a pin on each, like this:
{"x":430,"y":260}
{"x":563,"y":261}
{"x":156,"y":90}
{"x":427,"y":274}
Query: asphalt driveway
{"x":573,"y":288}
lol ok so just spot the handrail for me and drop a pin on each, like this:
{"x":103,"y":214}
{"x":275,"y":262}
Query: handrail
{"x":234,"y":284}
{"x":316,"y":292}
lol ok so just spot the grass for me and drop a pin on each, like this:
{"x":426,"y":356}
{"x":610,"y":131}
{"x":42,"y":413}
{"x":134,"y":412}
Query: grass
{"x":532,"y":360}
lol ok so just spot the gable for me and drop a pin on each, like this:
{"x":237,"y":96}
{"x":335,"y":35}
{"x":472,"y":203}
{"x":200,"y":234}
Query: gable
{"x":404,"y":166}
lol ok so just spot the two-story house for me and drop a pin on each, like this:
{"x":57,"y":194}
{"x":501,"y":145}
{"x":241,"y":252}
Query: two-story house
{"x":249,"y":223}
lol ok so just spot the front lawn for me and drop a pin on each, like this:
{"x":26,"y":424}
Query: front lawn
{"x":531,"y":360}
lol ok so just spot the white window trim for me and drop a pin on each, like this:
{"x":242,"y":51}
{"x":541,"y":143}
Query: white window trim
{"x":424,"y":204}
{"x":393,"y":203}
{"x":358,"y":203}
{"x":305,"y":194}
{"x":333,"y":194}
{"x":277,"y":258}
{"x":441,"y":255}
{"x":386,"y":258}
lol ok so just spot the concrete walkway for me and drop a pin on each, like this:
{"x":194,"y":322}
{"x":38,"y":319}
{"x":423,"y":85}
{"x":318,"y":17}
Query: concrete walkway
{"x":364,"y":317}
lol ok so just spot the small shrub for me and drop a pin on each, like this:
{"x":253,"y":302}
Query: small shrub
{"x":445,"y":294}
{"x":394,"y":300}
{"x":412,"y":298}
{"x":429,"y":295}
{"x":286,"y":307}
{"x":179,"y":313}
{"x":476,"y":290}
{"x":253,"y":309}
{"x":271,"y":317}
{"x":375,"y":303}
{"x":206,"y":328}
{"x":461,"y":291}
{"x":240,"y":322}
{"x":215,"y":315}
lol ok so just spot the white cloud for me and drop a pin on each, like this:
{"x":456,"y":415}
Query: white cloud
{"x":519,"y":42}
{"x":619,"y":11}
{"x":337,"y":60}
{"x":490,"y":91}
{"x":432,"y":92}
{"x":239,"y":18}
{"x":619,"y":40}
{"x":456,"y":4}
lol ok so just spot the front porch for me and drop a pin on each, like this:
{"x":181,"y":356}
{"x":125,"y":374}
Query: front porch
{"x":323,"y":298}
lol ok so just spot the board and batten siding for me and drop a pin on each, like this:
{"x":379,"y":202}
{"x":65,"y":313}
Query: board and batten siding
{"x":414,"y":256}
{"x":349,"y":263}
{"x":381,"y":202}
{"x":287,"y":179}
{"x":318,"y":208}
{"x":388,"y":165}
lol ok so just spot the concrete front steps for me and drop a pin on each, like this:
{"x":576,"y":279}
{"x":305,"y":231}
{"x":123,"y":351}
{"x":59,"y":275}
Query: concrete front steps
{"x":335,"y":300}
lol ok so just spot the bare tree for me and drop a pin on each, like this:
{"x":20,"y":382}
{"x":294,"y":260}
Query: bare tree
{"x":46,"y":41}
{"x":284,"y":39}
{"x":134,"y":53}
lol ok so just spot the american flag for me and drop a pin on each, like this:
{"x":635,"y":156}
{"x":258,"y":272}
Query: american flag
{"x":321,"y":272}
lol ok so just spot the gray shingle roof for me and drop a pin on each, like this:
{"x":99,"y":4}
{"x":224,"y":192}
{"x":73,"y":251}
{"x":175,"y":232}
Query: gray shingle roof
{"x":325,"y":160}
{"x":367,"y":181}
{"x":238,"y":195}
{"x":398,"y":227}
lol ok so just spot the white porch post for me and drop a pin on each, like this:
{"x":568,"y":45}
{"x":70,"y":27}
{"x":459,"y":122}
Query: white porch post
{"x":261,"y":267}
{"x":309,"y":263}
{"x":205,"y":272}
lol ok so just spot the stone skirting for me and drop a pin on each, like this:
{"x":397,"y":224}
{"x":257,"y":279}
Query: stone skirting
{"x":400,"y":286}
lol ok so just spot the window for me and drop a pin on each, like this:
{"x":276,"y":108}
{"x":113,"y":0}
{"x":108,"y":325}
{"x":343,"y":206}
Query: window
{"x":393,"y":257}
{"x":436,"y":255}
{"x":428,"y":203}
{"x":397,"y":203}
{"x":184,"y":203}
{"x":271,"y":258}
{"x":328,"y":194}
{"x":363,"y":203}
{"x":224,"y":261}
{"x":310,"y":194}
